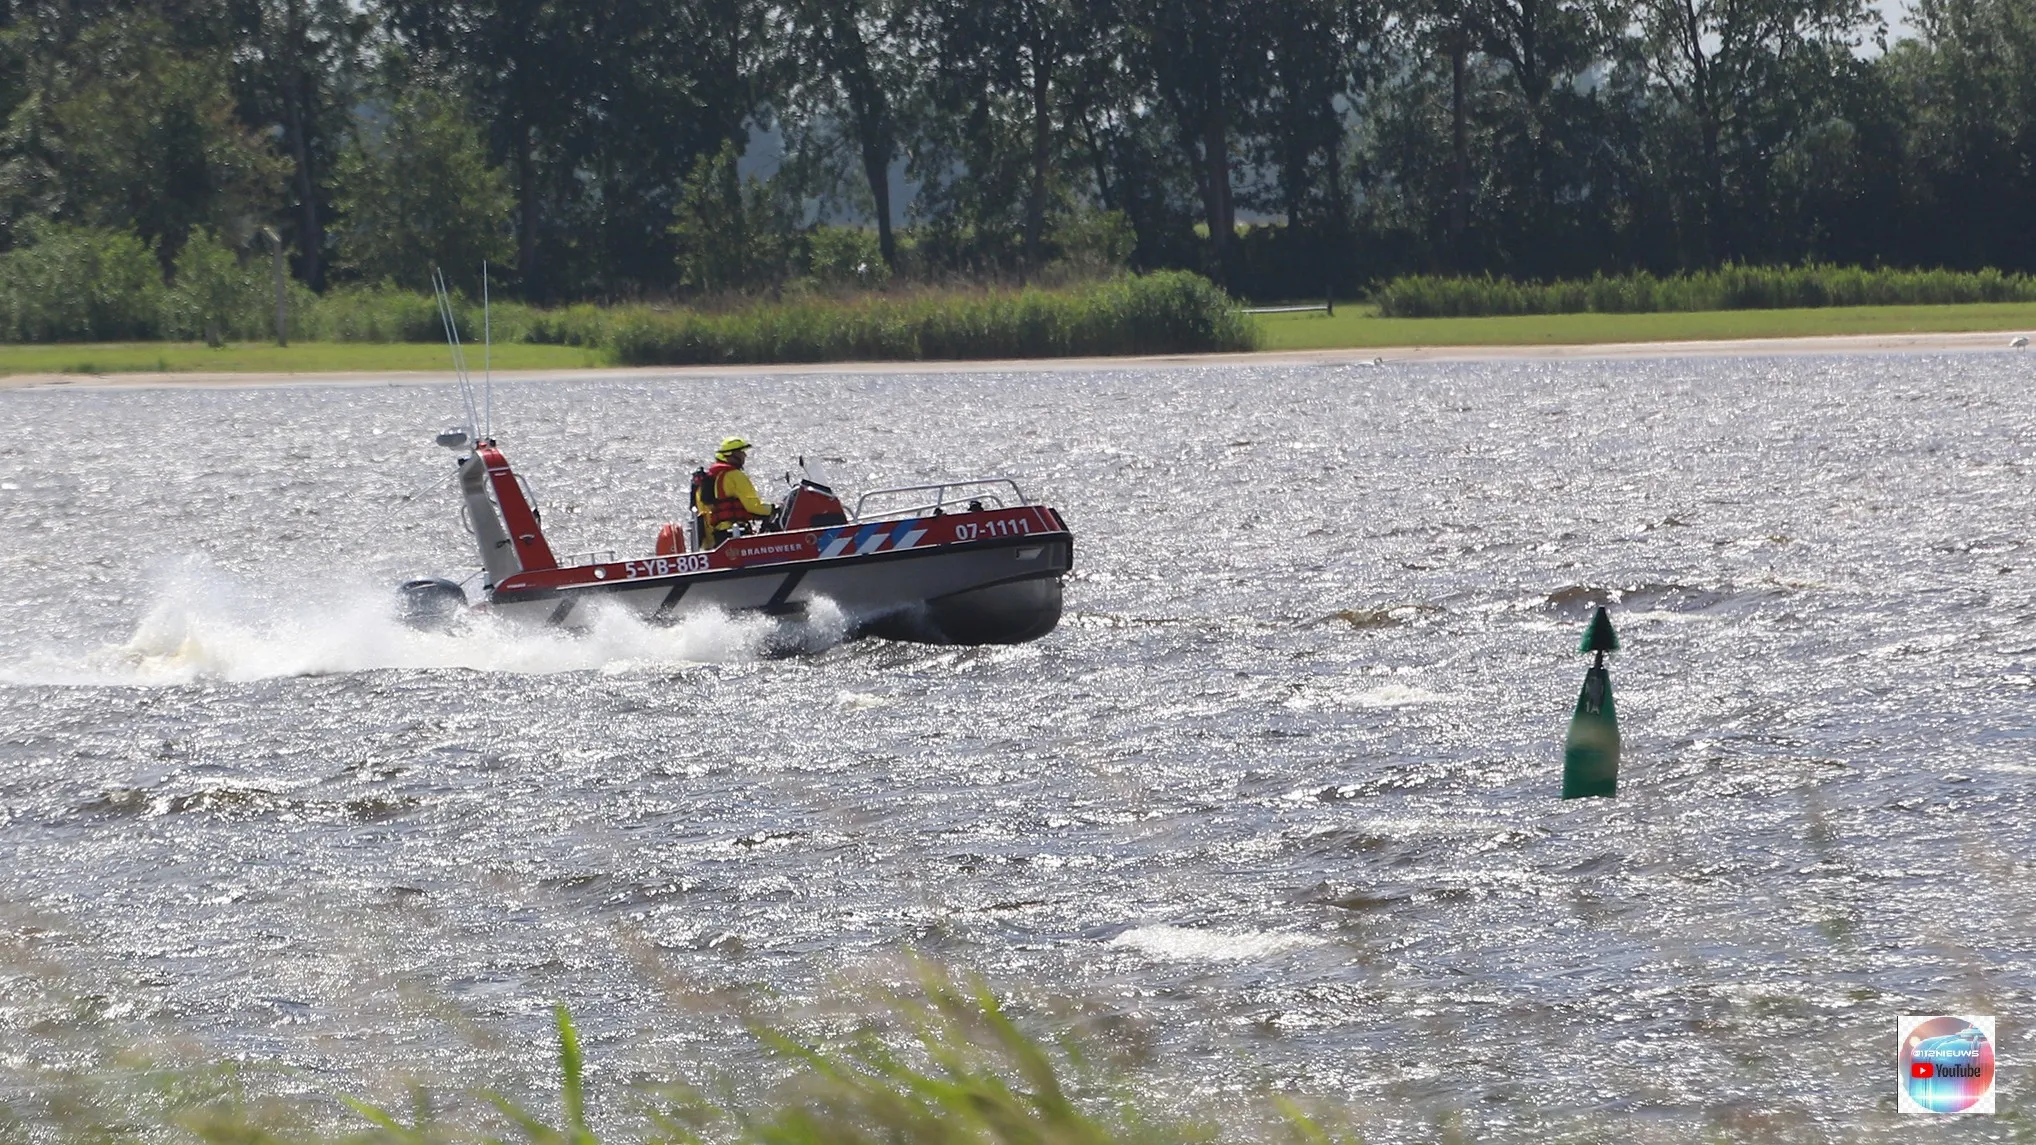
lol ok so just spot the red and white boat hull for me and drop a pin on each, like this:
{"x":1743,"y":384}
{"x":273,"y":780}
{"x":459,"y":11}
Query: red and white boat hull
{"x":980,"y":576}
{"x":932,"y":579}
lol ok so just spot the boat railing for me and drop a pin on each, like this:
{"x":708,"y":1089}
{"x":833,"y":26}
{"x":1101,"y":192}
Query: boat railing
{"x":591,"y":557}
{"x":972,"y":494}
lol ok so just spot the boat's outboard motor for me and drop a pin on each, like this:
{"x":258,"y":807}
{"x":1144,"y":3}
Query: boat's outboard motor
{"x":430,"y":602}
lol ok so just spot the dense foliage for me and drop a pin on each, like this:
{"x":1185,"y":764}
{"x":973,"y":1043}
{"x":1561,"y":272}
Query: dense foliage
{"x":1168,"y":312}
{"x":1727,"y":288}
{"x":105,"y":288}
{"x":647,"y":148}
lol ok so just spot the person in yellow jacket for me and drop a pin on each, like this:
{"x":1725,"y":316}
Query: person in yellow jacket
{"x":724,"y":497}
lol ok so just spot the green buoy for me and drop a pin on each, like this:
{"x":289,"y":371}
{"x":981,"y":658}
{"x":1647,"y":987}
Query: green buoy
{"x":1590,"y":756}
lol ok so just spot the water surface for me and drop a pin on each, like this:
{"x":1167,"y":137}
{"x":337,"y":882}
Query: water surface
{"x":1276,"y":802}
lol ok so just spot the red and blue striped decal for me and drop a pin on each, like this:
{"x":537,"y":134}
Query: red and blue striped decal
{"x":878,"y":536}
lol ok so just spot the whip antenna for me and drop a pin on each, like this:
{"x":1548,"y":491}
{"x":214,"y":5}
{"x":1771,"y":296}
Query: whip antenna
{"x":452,"y":338}
{"x":487,"y":352}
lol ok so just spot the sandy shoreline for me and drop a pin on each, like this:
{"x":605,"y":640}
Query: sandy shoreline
{"x":1383,"y":355}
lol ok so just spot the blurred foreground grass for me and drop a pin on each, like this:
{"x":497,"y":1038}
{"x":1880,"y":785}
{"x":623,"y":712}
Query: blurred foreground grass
{"x":935,"y":1061}
{"x":943,"y":1065}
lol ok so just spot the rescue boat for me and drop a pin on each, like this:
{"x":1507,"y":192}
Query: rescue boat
{"x":963,"y":562}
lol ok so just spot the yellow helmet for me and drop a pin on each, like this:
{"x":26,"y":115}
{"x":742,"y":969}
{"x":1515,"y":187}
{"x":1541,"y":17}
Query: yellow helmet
{"x":731,"y":445}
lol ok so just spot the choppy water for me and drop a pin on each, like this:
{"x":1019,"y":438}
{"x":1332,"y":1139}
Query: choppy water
{"x":1278,"y":796}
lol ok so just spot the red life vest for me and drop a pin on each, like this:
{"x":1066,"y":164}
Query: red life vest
{"x":716,"y":505}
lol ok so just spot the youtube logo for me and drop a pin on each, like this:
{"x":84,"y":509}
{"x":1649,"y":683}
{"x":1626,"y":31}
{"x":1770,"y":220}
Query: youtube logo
{"x":1922,"y":1069}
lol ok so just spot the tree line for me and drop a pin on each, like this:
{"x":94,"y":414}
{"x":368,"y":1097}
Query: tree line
{"x":595,"y":149}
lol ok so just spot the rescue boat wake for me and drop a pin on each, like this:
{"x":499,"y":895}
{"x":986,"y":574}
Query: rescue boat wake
{"x":206,"y":624}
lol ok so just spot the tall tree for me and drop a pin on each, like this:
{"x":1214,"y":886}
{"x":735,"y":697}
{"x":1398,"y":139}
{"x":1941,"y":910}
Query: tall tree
{"x":1413,"y":148}
{"x":858,"y":67}
{"x":1728,"y":69}
{"x":1122,"y":130}
{"x":735,"y":234}
{"x":299,"y":67}
{"x":131,"y":125}
{"x":600,"y":110}
{"x":1969,"y":82}
{"x":1316,"y":50}
{"x":416,"y":193}
{"x":516,"y":60}
{"x":1006,"y":75}
{"x":1544,"y":52}
{"x":1207,"y":59}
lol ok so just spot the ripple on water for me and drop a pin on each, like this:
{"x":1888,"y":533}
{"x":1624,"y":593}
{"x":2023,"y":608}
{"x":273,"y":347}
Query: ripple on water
{"x":1276,"y":800}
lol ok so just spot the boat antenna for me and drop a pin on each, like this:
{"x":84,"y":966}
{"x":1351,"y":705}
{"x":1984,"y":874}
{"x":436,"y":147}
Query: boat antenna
{"x":487,"y":352}
{"x":452,"y":339}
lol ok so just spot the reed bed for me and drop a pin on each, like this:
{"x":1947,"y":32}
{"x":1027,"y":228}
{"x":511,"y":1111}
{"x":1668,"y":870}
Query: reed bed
{"x":80,"y":285}
{"x":383,"y":315}
{"x":1168,"y":312}
{"x":1726,"y":288}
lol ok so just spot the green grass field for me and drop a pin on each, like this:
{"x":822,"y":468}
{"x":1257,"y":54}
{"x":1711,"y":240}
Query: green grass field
{"x":1355,"y":326}
{"x":1359,"y":327}
{"x":297,"y":358}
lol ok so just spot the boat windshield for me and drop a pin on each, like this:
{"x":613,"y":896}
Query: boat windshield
{"x":815,"y":470}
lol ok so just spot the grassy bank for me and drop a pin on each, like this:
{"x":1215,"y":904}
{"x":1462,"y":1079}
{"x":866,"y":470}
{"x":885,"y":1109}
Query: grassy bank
{"x":296,"y":358}
{"x":1726,"y":288}
{"x":1353,"y":327}
{"x":1139,"y":314}
{"x":1359,"y":327}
